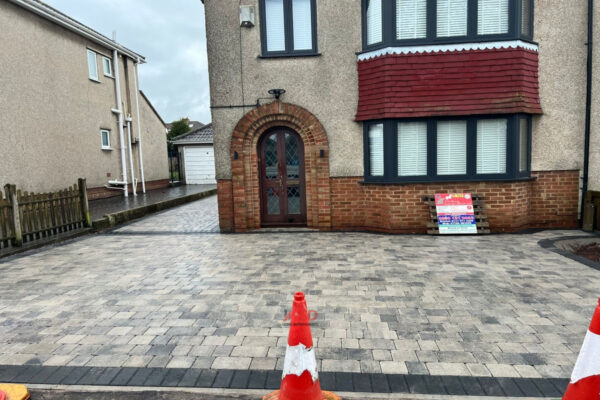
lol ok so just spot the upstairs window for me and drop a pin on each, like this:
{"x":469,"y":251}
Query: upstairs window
{"x":492,"y":17}
{"x":107,"y":66}
{"x":374,"y":22}
{"x":415,"y":22}
{"x":411,"y":19}
{"x":288,"y":27}
{"x":105,"y":139}
{"x":92,"y":65}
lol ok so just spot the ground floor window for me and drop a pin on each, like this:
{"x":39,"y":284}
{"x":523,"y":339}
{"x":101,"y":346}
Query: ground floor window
{"x":448,"y":149}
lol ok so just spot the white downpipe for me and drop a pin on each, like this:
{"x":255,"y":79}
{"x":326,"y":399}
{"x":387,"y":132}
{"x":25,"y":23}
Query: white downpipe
{"x":133,"y":183}
{"x":120,"y":115}
{"x":139,"y":126}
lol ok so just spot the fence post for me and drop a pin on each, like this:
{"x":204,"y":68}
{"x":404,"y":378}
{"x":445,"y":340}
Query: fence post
{"x":12,"y":197}
{"x":85,"y":208}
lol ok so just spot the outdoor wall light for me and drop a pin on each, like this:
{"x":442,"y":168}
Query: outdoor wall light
{"x":277,"y":93}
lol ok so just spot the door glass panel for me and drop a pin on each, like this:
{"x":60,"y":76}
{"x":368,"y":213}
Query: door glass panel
{"x":271,"y":157}
{"x":293,"y":198}
{"x":292,"y":161}
{"x":272,"y":201}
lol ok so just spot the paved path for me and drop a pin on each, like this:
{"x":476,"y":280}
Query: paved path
{"x":99,"y":208}
{"x":170,"y":291}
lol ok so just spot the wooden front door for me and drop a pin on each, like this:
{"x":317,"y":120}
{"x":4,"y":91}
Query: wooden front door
{"x":282,"y":188}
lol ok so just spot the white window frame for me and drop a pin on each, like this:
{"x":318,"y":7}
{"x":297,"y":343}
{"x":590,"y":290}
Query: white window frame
{"x":107,"y":132}
{"x":107,"y":61}
{"x":91,"y":53}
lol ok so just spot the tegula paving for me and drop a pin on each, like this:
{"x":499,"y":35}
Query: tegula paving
{"x":169,"y":301}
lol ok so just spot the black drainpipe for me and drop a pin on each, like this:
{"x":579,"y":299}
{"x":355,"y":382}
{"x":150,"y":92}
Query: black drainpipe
{"x":588,"y":106}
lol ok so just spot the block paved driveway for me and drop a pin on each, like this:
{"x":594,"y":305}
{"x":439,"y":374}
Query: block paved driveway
{"x":170,"y":291}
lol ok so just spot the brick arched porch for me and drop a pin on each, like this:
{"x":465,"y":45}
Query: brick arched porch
{"x":239,"y":201}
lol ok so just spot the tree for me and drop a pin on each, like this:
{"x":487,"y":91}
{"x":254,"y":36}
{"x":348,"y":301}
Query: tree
{"x":178,"y":127}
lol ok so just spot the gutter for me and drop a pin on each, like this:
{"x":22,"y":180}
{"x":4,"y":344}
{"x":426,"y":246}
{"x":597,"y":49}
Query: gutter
{"x":63,"y":20}
{"x":588,"y":107}
{"x":119,"y":112}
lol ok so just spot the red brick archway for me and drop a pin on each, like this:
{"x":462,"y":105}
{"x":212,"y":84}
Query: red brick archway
{"x":244,"y":165}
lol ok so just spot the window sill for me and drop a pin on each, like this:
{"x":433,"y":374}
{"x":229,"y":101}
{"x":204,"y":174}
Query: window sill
{"x":107,"y":149}
{"x":289,"y":55}
{"x":442,"y":181}
{"x":95,"y":80}
{"x":109,"y":76}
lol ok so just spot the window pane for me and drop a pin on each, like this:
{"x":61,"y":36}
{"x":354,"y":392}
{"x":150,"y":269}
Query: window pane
{"x":302,"y":24}
{"x":492,"y":17}
{"x":376,"y":149}
{"x":374,"y":22}
{"x":412,"y":148}
{"x":491,"y":146}
{"x":526,"y":17}
{"x":105,"y":139}
{"x":451,"y":18}
{"x":411,"y":19}
{"x":523,"y":144}
{"x":107,"y":66}
{"x":452,"y":148}
{"x":92,"y":65}
{"x":275,"y":25}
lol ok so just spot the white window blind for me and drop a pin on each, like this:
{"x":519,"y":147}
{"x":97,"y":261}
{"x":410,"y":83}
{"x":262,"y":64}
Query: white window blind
{"x":411,"y":19}
{"x":452,"y":18}
{"x":92,"y":65}
{"x":275,"y":25}
{"x":526,"y":17}
{"x":302,"y":21}
{"x":376,"y":150}
{"x":412,"y":148}
{"x":374,"y":22}
{"x":491,"y":146}
{"x":492,"y":17}
{"x":452,"y":148}
{"x":523,"y":144}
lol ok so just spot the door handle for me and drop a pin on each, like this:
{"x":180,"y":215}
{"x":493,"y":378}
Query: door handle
{"x":280,"y":182}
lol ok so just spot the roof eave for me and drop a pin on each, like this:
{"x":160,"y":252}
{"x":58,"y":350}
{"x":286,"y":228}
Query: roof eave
{"x":60,"y":19}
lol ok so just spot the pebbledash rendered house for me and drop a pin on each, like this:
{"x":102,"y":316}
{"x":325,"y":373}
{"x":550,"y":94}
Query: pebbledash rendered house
{"x":344,"y":114}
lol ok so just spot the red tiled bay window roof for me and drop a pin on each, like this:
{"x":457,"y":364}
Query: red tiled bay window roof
{"x":466,"y":82}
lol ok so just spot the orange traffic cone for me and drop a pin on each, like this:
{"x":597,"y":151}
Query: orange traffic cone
{"x":300,"y":379}
{"x":585,"y":380}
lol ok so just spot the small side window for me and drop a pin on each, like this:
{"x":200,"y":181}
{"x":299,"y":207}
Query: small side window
{"x":92,"y":65}
{"x":105,"y":137}
{"x":107,"y":66}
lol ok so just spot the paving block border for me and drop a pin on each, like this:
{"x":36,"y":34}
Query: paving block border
{"x":550,"y":244}
{"x":271,"y":380}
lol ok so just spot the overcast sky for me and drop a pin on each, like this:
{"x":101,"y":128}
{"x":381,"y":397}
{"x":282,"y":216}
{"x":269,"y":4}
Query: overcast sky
{"x":170,"y":34}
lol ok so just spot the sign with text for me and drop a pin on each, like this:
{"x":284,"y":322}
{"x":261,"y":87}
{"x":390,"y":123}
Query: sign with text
{"x":455,"y":213}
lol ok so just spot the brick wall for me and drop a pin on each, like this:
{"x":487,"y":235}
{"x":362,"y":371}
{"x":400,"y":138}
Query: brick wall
{"x":549,"y":200}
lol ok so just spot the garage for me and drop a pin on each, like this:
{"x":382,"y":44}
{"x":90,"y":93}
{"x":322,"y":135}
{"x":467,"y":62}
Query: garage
{"x":197,"y":156}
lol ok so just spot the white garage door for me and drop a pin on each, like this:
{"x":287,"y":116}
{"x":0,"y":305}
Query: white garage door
{"x":199,"y":165}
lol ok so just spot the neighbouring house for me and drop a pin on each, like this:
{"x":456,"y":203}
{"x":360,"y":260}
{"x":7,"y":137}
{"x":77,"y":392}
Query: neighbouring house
{"x":71,"y":107}
{"x":196,"y":155}
{"x":388,"y":101}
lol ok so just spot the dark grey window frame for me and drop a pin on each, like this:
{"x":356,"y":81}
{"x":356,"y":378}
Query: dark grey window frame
{"x":388,"y":19}
{"x":288,"y":22}
{"x":390,"y":150}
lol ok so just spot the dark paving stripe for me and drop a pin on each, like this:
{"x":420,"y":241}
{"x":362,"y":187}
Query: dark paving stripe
{"x":271,"y":380}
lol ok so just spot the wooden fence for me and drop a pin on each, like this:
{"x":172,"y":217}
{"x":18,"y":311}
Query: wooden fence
{"x":26,"y":217}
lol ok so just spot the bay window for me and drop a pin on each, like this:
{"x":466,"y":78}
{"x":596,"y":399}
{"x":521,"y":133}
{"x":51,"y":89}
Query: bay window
{"x":448,"y":149}
{"x":288,"y":27}
{"x":409,"y":22}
